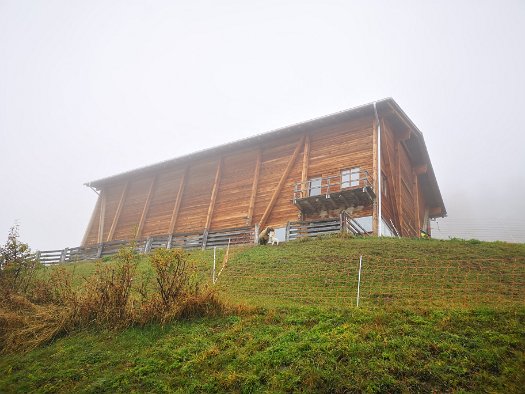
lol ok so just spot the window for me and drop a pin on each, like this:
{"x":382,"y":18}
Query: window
{"x":350,"y":178}
{"x":384,"y":185}
{"x":314,"y":187}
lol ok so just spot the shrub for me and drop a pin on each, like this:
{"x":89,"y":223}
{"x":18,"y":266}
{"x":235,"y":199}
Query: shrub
{"x":17,"y":265}
{"x":110,"y":298}
{"x":105,"y":298}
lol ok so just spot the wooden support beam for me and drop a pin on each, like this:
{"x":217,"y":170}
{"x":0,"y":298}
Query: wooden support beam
{"x":280,"y":185}
{"x":117,"y":213}
{"x":146,"y":208}
{"x":375,"y":211}
{"x":178,"y":200}
{"x":392,"y":198}
{"x":415,"y":186}
{"x":306,"y":161}
{"x":91,"y":221}
{"x":214,"y":192}
{"x":421,"y":169}
{"x":102,"y":216}
{"x":251,"y":206}
{"x":397,"y":179}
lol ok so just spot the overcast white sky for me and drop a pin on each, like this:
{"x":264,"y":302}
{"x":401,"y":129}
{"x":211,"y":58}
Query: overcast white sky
{"x":93,"y":88}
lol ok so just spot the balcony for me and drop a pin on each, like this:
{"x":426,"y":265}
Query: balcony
{"x":337,"y":192}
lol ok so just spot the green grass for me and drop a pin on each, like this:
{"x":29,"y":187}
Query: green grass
{"x":417,"y":330}
{"x":312,"y":350}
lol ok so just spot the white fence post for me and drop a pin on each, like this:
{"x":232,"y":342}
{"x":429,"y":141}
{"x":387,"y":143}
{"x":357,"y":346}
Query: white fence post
{"x":359,"y":280}
{"x":214,"y":263}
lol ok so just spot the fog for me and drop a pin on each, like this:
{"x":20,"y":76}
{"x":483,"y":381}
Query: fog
{"x":89,"y":89}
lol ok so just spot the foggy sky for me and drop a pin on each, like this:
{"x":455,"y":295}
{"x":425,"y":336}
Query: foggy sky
{"x":89,"y":89}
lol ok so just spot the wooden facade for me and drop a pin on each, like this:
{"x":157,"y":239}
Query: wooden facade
{"x":312,"y":170}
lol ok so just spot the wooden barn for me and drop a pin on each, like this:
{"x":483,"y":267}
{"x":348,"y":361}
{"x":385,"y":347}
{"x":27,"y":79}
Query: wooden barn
{"x":368,"y":163}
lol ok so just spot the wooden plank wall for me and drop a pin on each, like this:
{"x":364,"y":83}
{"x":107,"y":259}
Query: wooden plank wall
{"x":162,"y":202}
{"x":332,"y":148}
{"x":404,"y":203}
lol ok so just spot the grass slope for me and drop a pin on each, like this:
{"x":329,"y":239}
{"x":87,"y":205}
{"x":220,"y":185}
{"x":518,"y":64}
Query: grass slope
{"x":288,"y":345}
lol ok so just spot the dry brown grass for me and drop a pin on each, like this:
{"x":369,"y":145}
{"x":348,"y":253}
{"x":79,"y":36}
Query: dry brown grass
{"x":113,"y":297}
{"x":25,"y":325}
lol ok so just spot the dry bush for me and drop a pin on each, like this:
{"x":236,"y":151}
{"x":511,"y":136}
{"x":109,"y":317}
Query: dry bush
{"x":203,"y":303}
{"x":176,"y":294}
{"x":105,"y":297}
{"x":172,"y":276}
{"x":110,"y":298}
{"x":56,"y":289}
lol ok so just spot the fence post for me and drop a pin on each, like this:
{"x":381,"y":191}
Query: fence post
{"x":256,"y":237}
{"x":63,"y":255}
{"x":359,"y":280}
{"x":214,"y":259}
{"x":37,"y":255}
{"x":204,"y":239}
{"x":287,"y":231}
{"x":100,"y":249}
{"x":147,"y":247}
{"x":170,"y":240}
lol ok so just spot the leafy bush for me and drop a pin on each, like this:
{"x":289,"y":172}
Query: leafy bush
{"x":17,"y":264}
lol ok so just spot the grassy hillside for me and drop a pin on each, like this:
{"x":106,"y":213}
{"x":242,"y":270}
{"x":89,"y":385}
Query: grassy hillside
{"x":434,"y":316}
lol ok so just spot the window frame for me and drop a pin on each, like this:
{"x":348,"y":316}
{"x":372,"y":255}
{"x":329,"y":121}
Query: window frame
{"x":316,"y":188}
{"x":350,"y":177}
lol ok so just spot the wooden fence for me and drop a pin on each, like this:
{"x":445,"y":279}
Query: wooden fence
{"x":235,"y":236}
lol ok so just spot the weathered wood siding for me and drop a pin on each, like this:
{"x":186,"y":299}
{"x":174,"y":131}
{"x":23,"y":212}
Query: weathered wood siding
{"x":149,"y":203}
{"x":404,"y":202}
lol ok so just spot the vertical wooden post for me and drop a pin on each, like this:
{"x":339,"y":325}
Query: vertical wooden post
{"x":102,"y":217}
{"x":117,"y":212}
{"x":249,"y":217}
{"x":399,"y":186}
{"x":214,"y":192}
{"x":375,"y":214}
{"x":211,"y":207}
{"x":415,"y":189}
{"x":306,"y":161}
{"x":100,"y":249}
{"x":279,"y":187}
{"x":146,"y":208}
{"x":147,"y":246}
{"x":178,"y":200}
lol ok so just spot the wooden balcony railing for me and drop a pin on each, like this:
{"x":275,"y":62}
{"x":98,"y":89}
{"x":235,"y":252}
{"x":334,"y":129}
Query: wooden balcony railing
{"x":332,"y":184}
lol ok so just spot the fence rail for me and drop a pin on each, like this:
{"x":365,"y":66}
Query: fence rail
{"x":234,"y":236}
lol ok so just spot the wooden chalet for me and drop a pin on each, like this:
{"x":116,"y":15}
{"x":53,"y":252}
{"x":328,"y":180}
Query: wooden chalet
{"x":369,"y":162}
